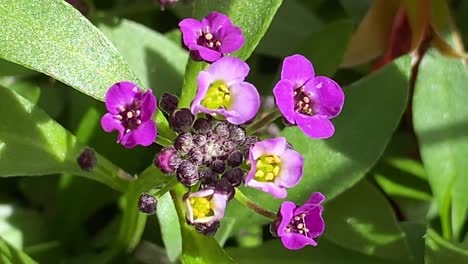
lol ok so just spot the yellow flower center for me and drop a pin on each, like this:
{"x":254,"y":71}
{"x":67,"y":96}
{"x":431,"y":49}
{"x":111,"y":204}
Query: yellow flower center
{"x":201,"y":207}
{"x":268,"y":168}
{"x":217,"y":96}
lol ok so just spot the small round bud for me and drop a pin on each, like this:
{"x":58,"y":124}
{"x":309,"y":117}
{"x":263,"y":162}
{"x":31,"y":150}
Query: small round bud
{"x":162,"y":160}
{"x":147,"y":203}
{"x":199,"y":140}
{"x":237,"y":135}
{"x":168,"y":103}
{"x":184,"y":142}
{"x":187,"y":173}
{"x":235,"y":158}
{"x":224,"y":187}
{"x":195,"y":156}
{"x":87,"y":159}
{"x":229,"y":146}
{"x":208,"y":178}
{"x":222,"y":130}
{"x":249,"y":141}
{"x":175,"y":161}
{"x":181,"y":120}
{"x":218,"y":166}
{"x":202,"y":126}
{"x":207,"y":229}
{"x":235,"y":176}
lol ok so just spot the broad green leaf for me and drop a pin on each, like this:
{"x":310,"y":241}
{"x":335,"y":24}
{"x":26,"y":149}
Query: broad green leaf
{"x":12,"y":255}
{"x":281,"y":38}
{"x":273,"y":252}
{"x":440,"y":118}
{"x":317,"y":46}
{"x":253,"y":17}
{"x":351,"y":225}
{"x":372,"y":111}
{"x":170,"y":228}
{"x":11,"y":69}
{"x":440,"y":251}
{"x":415,"y":233}
{"x":157,"y":61}
{"x":31,"y":144}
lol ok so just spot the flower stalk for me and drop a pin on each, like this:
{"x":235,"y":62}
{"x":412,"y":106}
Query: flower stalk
{"x":253,"y":206}
{"x":263,"y":122}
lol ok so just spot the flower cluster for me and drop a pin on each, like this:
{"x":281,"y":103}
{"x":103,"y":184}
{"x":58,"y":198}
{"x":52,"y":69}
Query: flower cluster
{"x":214,"y":151}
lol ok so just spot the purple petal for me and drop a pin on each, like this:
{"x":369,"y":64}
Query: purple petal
{"x":253,"y":167}
{"x":315,"y":126}
{"x":215,"y":21}
{"x":286,"y":211}
{"x":204,"y":80}
{"x":297,"y":69}
{"x":292,"y":164}
{"x":120,"y":95}
{"x":143,"y":135}
{"x":315,"y":222}
{"x":205,"y":53}
{"x":316,"y":198}
{"x":148,"y":105}
{"x":284,"y":97}
{"x":271,"y":146}
{"x":231,"y":39}
{"x":269,"y":187}
{"x":218,"y":204}
{"x":229,"y":69}
{"x":109,"y":124}
{"x":190,"y":29}
{"x":327,"y":95}
{"x":245,"y":103}
{"x":293,"y":241}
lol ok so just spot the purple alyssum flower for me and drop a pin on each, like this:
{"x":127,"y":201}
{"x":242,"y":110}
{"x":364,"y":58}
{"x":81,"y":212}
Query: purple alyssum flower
{"x":307,"y":100}
{"x":274,"y":167}
{"x":223,"y":92}
{"x":298,"y":226}
{"x":212,"y":37}
{"x":130,"y":112}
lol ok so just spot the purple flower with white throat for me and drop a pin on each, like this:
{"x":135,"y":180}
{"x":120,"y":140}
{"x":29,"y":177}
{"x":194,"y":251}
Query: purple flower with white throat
{"x":298,"y":226}
{"x":223,"y":92}
{"x":130,"y":112}
{"x":274,"y":167}
{"x":212,"y":37}
{"x":307,"y":100}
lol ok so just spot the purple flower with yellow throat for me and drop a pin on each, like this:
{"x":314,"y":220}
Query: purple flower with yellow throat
{"x":306,"y":100}
{"x":212,"y":37}
{"x":274,"y":167}
{"x":222,"y":92}
{"x":130,"y":112}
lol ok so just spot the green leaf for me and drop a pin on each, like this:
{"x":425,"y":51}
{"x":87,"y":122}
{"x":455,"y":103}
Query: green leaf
{"x":170,"y":228}
{"x":415,"y":233}
{"x":272,"y":252}
{"x":12,"y":69}
{"x":440,"y":120}
{"x":157,"y":61}
{"x":372,"y":111}
{"x":12,"y":255}
{"x":253,"y":17}
{"x":31,"y":143}
{"x":350,"y":225}
{"x":439,"y":251}
{"x":53,"y":38}
{"x":317,"y":46}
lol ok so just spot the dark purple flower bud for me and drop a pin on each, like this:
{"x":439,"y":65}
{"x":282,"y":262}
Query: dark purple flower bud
{"x":168,"y":103}
{"x":147,"y":203}
{"x":234,"y":176}
{"x":181,"y":120}
{"x":184,"y":142}
{"x":228,"y":147}
{"x":218,"y":166}
{"x":80,"y":5}
{"x":207,"y":229}
{"x":202,"y":126}
{"x":250,"y":141}
{"x":87,"y":159}
{"x":222,"y":130}
{"x":195,"y":156}
{"x":164,"y":160}
{"x":237,"y":135}
{"x":187,"y":173}
{"x":224,"y":187}
{"x":199,"y":140}
{"x":208,"y":178}
{"x":166,"y":3}
{"x":235,"y":158}
{"x":175,"y":161}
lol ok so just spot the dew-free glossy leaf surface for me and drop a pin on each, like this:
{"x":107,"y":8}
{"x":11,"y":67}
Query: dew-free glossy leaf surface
{"x":170,"y":227}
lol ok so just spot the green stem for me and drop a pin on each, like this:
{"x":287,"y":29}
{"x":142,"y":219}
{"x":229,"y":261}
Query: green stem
{"x":255,"y":207}
{"x":263,"y":122}
{"x":167,"y":187}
